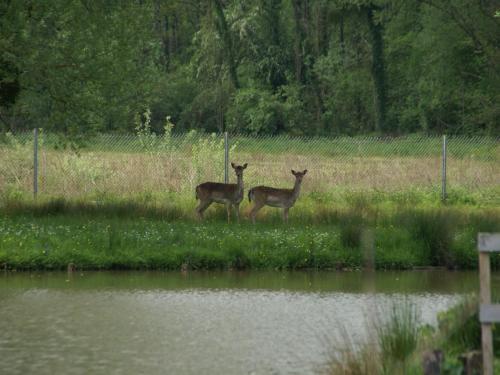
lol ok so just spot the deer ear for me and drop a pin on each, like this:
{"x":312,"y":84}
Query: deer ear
{"x":232,"y":165}
{"x":305,"y":171}
{"x":245,"y":165}
{"x":293,"y":172}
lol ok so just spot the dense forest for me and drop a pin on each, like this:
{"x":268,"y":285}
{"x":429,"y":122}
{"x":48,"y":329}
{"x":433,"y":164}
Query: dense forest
{"x":299,"y":67}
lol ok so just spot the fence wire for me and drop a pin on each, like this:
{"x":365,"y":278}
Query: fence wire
{"x":126,"y":165}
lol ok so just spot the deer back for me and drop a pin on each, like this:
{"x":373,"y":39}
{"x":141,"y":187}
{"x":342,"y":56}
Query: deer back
{"x":218,"y":192}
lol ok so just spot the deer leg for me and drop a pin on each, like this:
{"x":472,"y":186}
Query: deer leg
{"x":228,"y":209}
{"x":202,"y":207}
{"x":237,"y":211}
{"x":254,"y":211}
{"x":285,"y":214}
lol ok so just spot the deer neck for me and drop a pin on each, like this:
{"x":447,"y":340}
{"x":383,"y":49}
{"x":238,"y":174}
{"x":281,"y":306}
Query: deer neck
{"x":239,"y":185}
{"x":296,"y":189}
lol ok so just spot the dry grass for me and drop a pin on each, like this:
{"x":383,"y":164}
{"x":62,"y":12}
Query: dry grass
{"x":69,"y":174}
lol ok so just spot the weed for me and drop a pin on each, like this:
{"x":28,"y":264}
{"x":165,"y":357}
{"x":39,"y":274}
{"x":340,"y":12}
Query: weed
{"x":397,"y":337}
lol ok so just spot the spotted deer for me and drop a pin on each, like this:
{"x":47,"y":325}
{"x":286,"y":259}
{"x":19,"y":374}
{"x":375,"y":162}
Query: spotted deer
{"x":283,"y":198}
{"x":229,"y":194}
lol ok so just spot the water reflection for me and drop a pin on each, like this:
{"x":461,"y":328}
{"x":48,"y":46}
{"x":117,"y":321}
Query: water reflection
{"x":210,"y":323}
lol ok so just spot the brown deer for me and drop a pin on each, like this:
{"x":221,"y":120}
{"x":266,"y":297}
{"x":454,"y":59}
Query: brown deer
{"x":228,"y":194}
{"x":284,"y":198}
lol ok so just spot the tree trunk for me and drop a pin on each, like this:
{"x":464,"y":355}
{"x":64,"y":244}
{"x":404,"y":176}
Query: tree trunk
{"x":225,"y":35}
{"x":377,"y":70}
{"x":271,"y":15}
{"x":300,"y":36}
{"x":341,"y":37}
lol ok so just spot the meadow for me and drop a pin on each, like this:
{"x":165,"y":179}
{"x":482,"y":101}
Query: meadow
{"x":127,"y":235}
{"x":127,"y":202}
{"x":127,"y":166}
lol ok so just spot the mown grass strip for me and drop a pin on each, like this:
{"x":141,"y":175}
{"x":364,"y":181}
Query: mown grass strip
{"x":132,"y":236}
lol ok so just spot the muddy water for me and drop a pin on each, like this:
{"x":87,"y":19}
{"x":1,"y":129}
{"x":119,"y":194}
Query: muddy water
{"x":201,"y":323}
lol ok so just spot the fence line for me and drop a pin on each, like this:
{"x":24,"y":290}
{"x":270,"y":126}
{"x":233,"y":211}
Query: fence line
{"x":120,"y":165}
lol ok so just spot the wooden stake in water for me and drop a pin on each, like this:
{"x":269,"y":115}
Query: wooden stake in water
{"x":35,"y":162}
{"x":488,"y":313}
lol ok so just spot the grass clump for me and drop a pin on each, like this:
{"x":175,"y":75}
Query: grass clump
{"x":398,"y":343}
{"x":398,"y":337}
{"x":389,"y":348}
{"x":435,"y":230}
{"x":351,"y":229}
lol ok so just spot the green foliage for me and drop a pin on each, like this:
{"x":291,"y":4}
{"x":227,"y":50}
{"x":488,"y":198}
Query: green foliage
{"x":262,"y":67}
{"x":255,"y":111}
{"x":76,"y":75}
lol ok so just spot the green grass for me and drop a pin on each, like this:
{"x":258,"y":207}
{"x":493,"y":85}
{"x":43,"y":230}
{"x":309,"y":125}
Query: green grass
{"x":397,"y":337}
{"x":411,"y":145}
{"x":107,"y":243}
{"x":122,"y":234}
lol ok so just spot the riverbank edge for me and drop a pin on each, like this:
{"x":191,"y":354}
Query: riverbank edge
{"x":353,"y":241}
{"x":401,"y":345}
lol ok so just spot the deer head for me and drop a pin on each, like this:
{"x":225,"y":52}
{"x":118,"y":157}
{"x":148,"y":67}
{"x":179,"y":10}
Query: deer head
{"x":299,"y":175}
{"x":238,"y":169}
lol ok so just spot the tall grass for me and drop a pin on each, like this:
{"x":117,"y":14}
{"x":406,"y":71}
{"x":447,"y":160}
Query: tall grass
{"x":397,"y":338}
{"x":435,"y":229}
{"x":392,"y":341}
{"x":398,"y":342}
{"x":349,"y":358}
{"x":130,"y":165}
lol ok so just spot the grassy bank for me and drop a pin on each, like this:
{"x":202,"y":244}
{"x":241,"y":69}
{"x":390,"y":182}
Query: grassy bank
{"x":398,"y":342}
{"x":141,"y":235}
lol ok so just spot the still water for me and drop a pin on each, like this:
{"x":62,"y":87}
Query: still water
{"x":201,"y":323}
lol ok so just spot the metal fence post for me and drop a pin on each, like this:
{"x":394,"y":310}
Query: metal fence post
{"x":35,"y":162}
{"x":226,"y":158}
{"x":443,"y":169}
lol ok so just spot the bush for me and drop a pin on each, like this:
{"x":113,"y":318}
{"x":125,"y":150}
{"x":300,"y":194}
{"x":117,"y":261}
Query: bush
{"x":435,"y":229}
{"x":256,"y":111}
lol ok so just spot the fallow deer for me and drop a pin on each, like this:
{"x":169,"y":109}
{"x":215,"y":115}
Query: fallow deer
{"x":283,"y":198}
{"x":228,"y":194}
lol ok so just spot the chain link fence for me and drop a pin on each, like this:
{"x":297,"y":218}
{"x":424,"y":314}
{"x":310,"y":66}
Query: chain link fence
{"x":126,"y":165}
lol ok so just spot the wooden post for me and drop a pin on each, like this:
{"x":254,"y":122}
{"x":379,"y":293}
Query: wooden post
{"x":35,"y":163}
{"x":488,"y":313}
{"x":485,"y":299}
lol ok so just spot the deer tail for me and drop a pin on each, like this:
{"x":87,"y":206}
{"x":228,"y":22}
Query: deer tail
{"x":250,"y":193}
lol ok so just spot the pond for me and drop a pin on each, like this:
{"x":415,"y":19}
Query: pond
{"x":201,"y":323}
